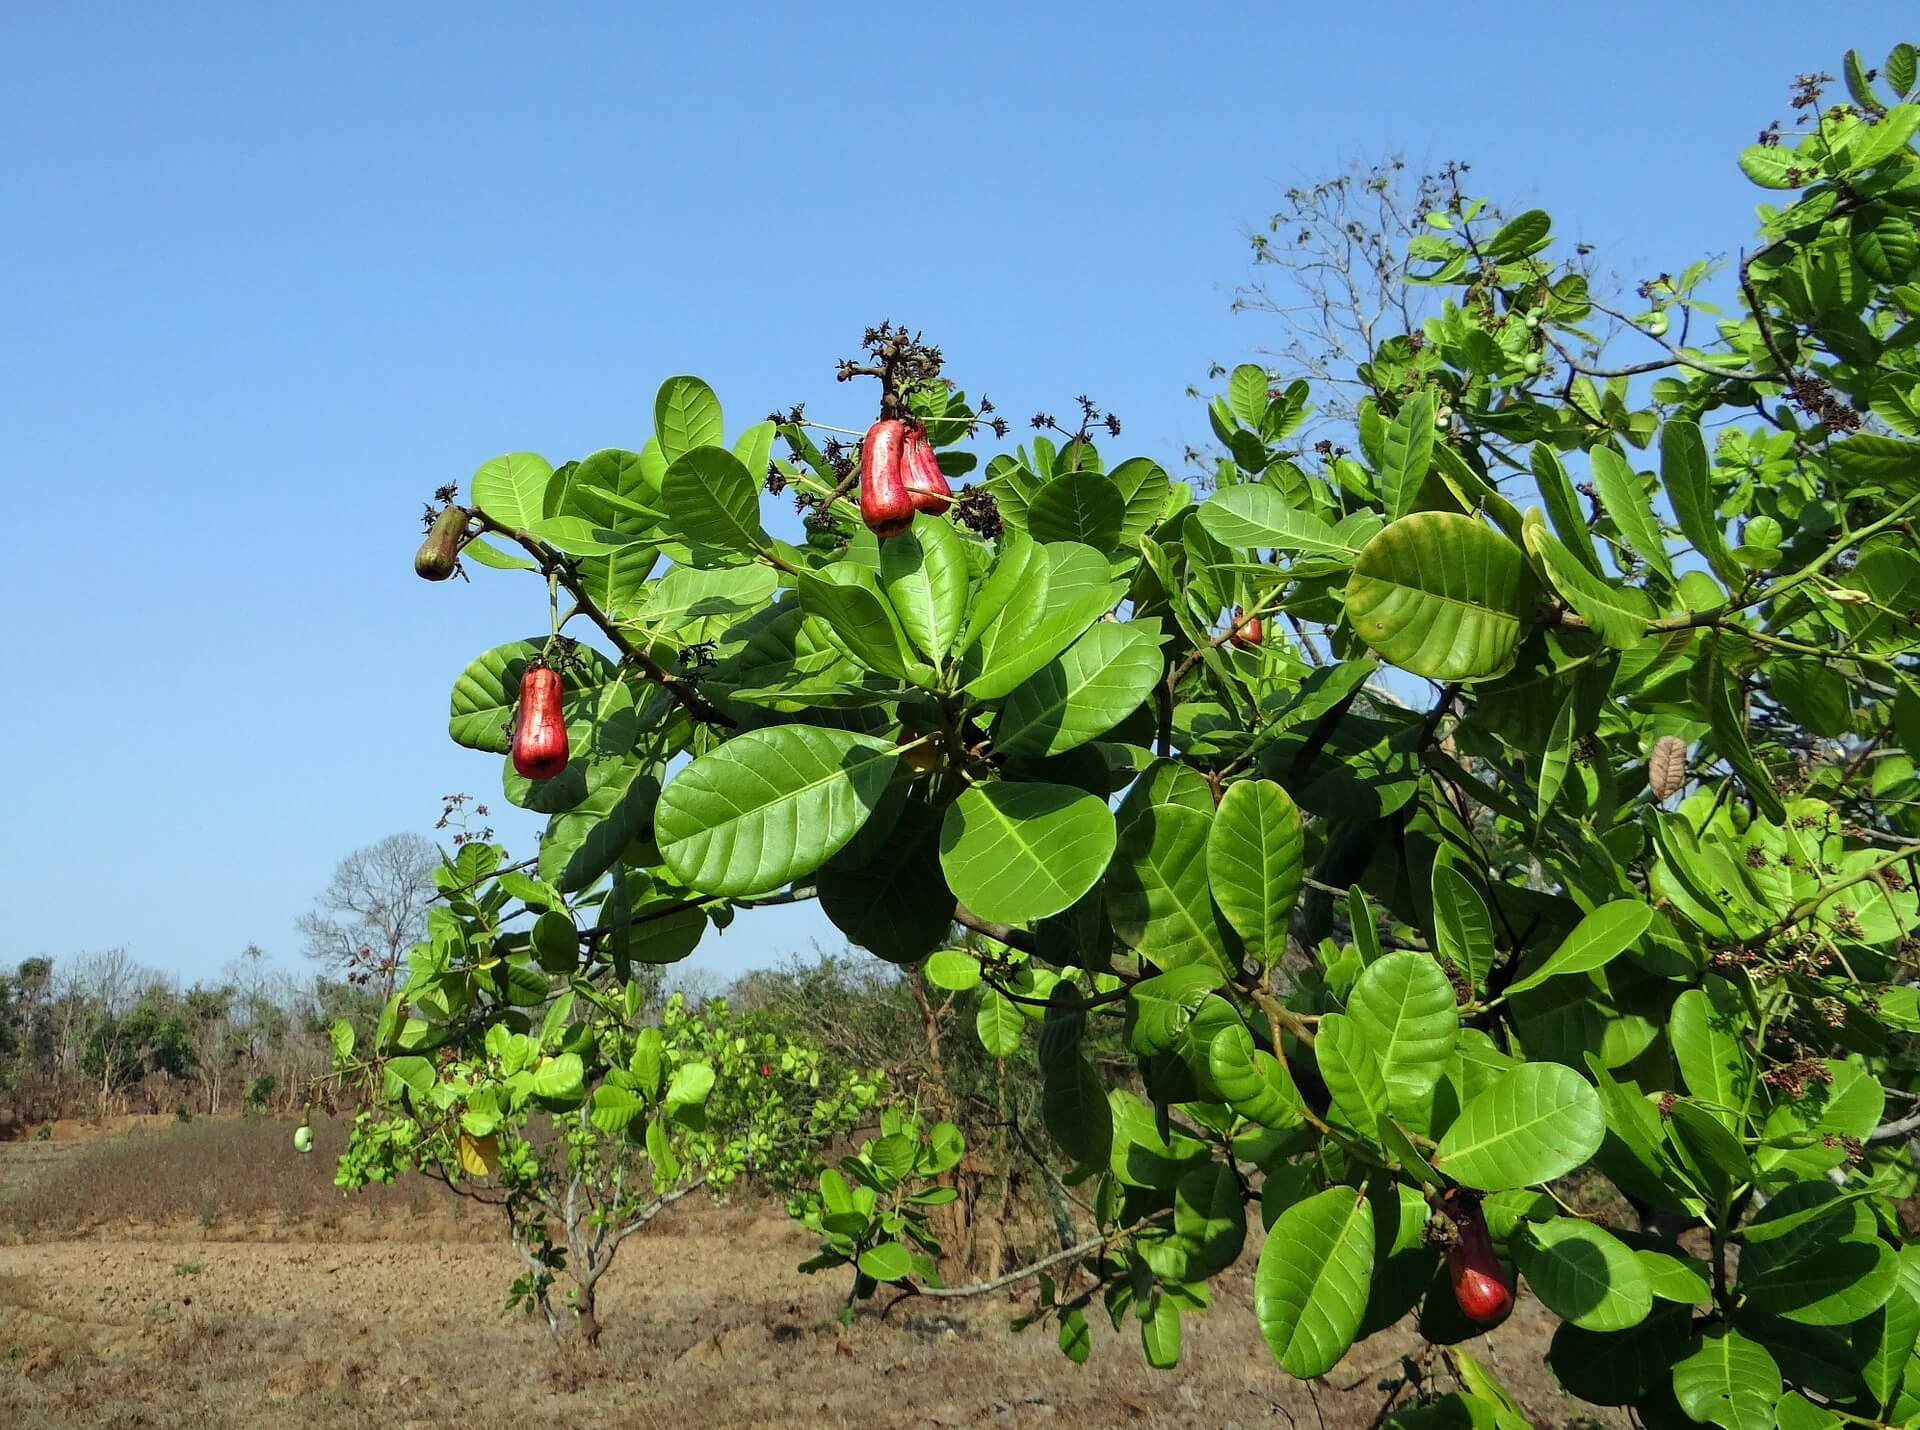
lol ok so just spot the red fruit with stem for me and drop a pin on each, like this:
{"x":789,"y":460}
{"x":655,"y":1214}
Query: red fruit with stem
{"x":886,"y":506}
{"x":540,"y":732}
{"x":1480,"y":1286}
{"x":926,"y":483}
{"x":1247,"y":633}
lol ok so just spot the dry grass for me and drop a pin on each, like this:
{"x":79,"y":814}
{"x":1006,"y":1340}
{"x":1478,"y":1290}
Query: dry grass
{"x":122,"y":1310}
{"x":240,"y":1174}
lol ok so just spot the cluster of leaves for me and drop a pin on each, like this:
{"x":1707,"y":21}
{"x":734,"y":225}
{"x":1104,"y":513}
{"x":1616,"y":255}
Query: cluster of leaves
{"x":1631,"y":893}
{"x":556,"y":1098}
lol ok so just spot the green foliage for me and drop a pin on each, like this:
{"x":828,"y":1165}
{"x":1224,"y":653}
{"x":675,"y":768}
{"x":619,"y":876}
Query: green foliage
{"x":1374,"y":949}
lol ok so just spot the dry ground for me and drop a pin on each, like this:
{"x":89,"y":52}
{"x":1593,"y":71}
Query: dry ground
{"x":276,"y":1305}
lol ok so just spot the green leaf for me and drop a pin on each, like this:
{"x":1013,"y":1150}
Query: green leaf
{"x":1040,"y":618}
{"x":1210,"y":1220}
{"x":845,"y":597}
{"x":1095,"y":684}
{"x":1074,"y":1109}
{"x":953,"y":970}
{"x":1626,"y":501}
{"x":1598,"y":939}
{"x":1403,"y":1007}
{"x":999,"y":1024}
{"x":1834,"y":1284}
{"x":1255,"y":854}
{"x":1563,"y":508}
{"x":769,"y":806}
{"x":1143,"y":486}
{"x":1311,"y":1287}
{"x":1252,"y":514}
{"x":896,"y":904}
{"x":686,"y":416}
{"x":1556,"y":757}
{"x":1141,"y":1157}
{"x":614,"y":1108}
{"x":1715,"y":689}
{"x":1584,"y":1274}
{"x":1247,"y":393}
{"x":1684,"y":474}
{"x":1728,"y":1380}
{"x":560,"y":1079}
{"x":1891,"y":136}
{"x":1463,"y":929}
{"x":1675,"y":1278}
{"x":1521,"y":236}
{"x":1078,"y":506}
{"x":1441,"y":595}
{"x":1850,"y":1106}
{"x":1159,"y":1007}
{"x":1408,"y":453}
{"x":513,"y":489}
{"x":1616,"y":614}
{"x":887,"y":1261}
{"x":1705,"y":1029}
{"x":924,"y":573}
{"x":1350,"y":1067}
{"x":1535,"y":1122}
{"x":1015,"y":851}
{"x":1157,"y":892}
{"x":689,"y":1086}
{"x":713,"y":501}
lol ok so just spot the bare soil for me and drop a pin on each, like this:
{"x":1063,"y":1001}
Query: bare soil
{"x":394,"y":1320}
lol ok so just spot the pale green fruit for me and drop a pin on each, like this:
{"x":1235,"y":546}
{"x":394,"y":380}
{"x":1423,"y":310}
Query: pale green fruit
{"x":303,"y":1139}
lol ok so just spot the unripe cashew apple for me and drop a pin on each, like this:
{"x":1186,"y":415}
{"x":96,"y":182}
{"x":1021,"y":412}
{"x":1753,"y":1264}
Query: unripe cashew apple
{"x":1655,"y":323}
{"x":303,"y":1139}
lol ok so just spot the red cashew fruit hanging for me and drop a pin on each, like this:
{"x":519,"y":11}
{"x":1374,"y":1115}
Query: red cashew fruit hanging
{"x":926,"y":483}
{"x":540,"y":732}
{"x":1480,"y":1285}
{"x":886,"y":506}
{"x":1247,"y":634}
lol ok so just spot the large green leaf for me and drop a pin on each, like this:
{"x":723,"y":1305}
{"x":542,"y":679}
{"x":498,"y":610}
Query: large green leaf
{"x":1038,"y":619}
{"x":999,"y":1024}
{"x":1143,"y":486}
{"x":1584,"y":1274}
{"x":925,"y":575}
{"x":1073,"y":1106}
{"x":585,"y":841}
{"x":1141,"y":1156}
{"x":1441,"y":595}
{"x":1160,"y":1006}
{"x":713,"y":501}
{"x":1625,"y":500}
{"x":1851,"y":1105}
{"x":1616,"y":614}
{"x":513,"y":489}
{"x":896,"y":905}
{"x":1463,"y":929}
{"x":1834,"y":1284}
{"x":769,"y":806}
{"x":1563,"y":508}
{"x":1350,"y":1067}
{"x":1255,"y":853}
{"x":1311,"y":1287}
{"x":1728,"y":1380}
{"x":1252,"y":514}
{"x":1595,"y":941}
{"x":686,"y":415}
{"x":846,"y":598}
{"x":1407,"y":454}
{"x":1085,"y":691}
{"x":1706,"y":1030}
{"x":1078,"y":506}
{"x":1403,"y":1007}
{"x":1534,"y":1123}
{"x":1015,"y":851}
{"x":1157,"y":893}
{"x":1685,"y":473}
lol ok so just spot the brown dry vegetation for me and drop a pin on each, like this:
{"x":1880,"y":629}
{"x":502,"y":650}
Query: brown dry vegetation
{"x":201,"y":1274}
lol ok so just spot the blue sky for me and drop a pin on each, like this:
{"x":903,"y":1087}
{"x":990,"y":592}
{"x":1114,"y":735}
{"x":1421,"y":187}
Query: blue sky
{"x":271,"y":277}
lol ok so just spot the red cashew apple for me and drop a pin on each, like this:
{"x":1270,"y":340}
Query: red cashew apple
{"x":540,"y":734}
{"x":886,"y":506}
{"x":926,"y":483}
{"x":1480,"y":1286}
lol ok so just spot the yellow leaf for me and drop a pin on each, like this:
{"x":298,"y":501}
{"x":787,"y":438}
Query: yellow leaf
{"x":478,"y":1155}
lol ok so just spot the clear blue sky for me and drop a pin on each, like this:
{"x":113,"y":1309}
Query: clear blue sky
{"x":272,"y":274}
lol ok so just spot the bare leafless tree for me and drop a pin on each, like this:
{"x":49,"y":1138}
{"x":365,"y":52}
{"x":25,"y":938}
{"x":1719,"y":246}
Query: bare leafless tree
{"x":1331,"y":265}
{"x":373,"y":910}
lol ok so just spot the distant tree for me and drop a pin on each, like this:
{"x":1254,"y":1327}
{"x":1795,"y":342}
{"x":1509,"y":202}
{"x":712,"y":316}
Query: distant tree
{"x":373,"y":909}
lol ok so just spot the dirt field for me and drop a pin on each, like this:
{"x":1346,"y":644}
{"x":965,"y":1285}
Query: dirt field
{"x":392,"y":1319}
